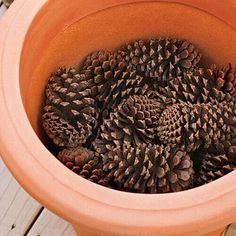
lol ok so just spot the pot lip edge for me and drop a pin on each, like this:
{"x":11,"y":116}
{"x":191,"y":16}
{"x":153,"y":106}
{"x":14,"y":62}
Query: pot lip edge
{"x":193,"y":190}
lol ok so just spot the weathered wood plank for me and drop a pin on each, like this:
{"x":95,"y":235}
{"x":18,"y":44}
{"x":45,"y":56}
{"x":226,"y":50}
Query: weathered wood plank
{"x":49,"y":224}
{"x":18,"y":209}
{"x":69,"y":231}
{"x":3,"y":8}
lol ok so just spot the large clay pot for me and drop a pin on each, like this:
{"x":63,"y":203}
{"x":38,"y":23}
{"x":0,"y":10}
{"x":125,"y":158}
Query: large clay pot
{"x":36,"y":37}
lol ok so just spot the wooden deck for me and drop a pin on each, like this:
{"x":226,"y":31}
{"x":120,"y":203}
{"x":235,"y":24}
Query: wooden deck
{"x":21,"y":215}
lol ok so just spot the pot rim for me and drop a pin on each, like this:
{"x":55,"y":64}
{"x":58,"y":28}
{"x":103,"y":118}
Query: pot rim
{"x":92,"y":201}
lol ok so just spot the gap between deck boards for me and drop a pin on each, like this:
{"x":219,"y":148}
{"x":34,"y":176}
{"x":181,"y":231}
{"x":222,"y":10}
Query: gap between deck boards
{"x":21,"y":215}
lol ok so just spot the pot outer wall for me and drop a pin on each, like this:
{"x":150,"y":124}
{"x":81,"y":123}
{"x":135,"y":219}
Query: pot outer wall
{"x":91,"y":208}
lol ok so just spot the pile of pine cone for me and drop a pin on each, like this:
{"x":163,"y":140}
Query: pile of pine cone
{"x":145,"y":118}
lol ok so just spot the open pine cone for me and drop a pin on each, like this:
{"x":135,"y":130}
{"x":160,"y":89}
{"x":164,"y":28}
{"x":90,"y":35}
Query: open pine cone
{"x":101,"y":59}
{"x":193,"y":87}
{"x":133,"y":122}
{"x":60,"y":130}
{"x":85,"y":163}
{"x":69,"y":116}
{"x":199,"y":125}
{"x":215,"y":166}
{"x":149,"y":168}
{"x":225,"y":78}
{"x":113,"y":78}
{"x":161,"y":58}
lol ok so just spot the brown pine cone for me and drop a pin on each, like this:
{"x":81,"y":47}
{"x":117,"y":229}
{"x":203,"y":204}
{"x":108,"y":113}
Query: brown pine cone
{"x":149,"y":168}
{"x":225,"y":78}
{"x":84,"y":163}
{"x":192,"y":87}
{"x":215,"y":166}
{"x":134,"y":121}
{"x":199,"y":125}
{"x":69,"y":116}
{"x":60,"y":130}
{"x":112,"y":78}
{"x":100,"y":59}
{"x":161,"y":58}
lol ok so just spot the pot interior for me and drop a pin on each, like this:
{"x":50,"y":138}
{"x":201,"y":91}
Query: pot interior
{"x":62,"y":34}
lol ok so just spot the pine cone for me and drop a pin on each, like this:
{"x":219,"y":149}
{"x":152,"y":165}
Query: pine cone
{"x":134,"y":121}
{"x":60,"y":130}
{"x":112,"y":78}
{"x":199,"y":125}
{"x":69,"y":115}
{"x":225,"y":78}
{"x":161,"y":58}
{"x":85,"y":163}
{"x":100,"y":59}
{"x":214,"y":167}
{"x":192,"y":87}
{"x":149,"y":168}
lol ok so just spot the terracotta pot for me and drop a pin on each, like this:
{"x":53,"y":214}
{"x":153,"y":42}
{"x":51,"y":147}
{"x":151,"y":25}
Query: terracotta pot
{"x":38,"y":36}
